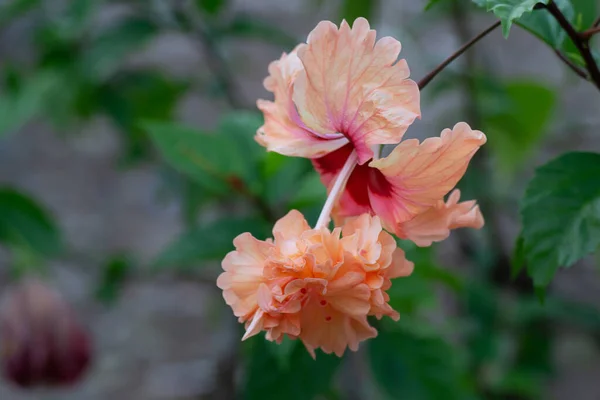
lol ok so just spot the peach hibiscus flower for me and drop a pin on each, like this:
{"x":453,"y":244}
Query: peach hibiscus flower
{"x":342,"y":95}
{"x":315,"y":285}
{"x":340,"y":88}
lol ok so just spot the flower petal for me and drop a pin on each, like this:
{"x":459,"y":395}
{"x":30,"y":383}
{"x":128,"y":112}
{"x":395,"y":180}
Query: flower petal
{"x":435,"y":224}
{"x":283,"y":131}
{"x":354,"y":86}
{"x":414,"y":177}
{"x":243,"y":274}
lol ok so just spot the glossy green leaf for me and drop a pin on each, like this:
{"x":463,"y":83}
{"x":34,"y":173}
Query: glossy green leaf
{"x":107,"y":52}
{"x":519,"y":123}
{"x":509,"y":10}
{"x":561,"y":214}
{"x":304,"y":379}
{"x":114,"y":274}
{"x":409,"y":365}
{"x":211,"y":241}
{"x":208,"y":158}
{"x":24,"y":222}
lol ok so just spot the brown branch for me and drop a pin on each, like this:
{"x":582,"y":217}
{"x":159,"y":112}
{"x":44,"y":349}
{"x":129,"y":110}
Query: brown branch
{"x":587,"y":35}
{"x":580,"y":42}
{"x":596,"y":22}
{"x":572,"y":65}
{"x":427,"y":78}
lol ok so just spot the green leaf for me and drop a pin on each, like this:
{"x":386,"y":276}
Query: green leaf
{"x":561,"y":214}
{"x":25,"y":223}
{"x":114,"y":275}
{"x":304,"y":379}
{"x":509,"y":10}
{"x":310,"y":191}
{"x":352,"y":9}
{"x":20,"y":106}
{"x":409,"y":365}
{"x":106,"y":52}
{"x":517,"y":127}
{"x":281,"y":184}
{"x":207,"y":242}
{"x":212,"y":160}
{"x":241,"y":127}
{"x":132,"y":97}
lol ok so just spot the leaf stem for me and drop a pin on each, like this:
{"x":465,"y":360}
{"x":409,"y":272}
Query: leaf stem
{"x":580,"y":42}
{"x":427,"y":78}
{"x":338,"y":187}
{"x":572,"y":65}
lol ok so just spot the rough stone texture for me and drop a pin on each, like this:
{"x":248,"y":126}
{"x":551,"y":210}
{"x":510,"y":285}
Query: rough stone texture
{"x":165,"y":339}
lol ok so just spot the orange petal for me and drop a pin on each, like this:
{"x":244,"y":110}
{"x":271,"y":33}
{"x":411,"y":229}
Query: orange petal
{"x":415,"y":176}
{"x":400,"y":265}
{"x":435,"y":224}
{"x":354,"y":86}
{"x":243,"y":274}
{"x":283,"y":131}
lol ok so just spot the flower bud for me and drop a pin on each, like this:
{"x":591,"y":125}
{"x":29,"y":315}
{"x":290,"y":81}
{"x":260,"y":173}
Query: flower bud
{"x":41,"y":341}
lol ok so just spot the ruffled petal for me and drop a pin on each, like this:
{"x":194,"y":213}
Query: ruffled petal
{"x":434,"y":225}
{"x":283,"y":131}
{"x":243,"y":274}
{"x":354,"y":86}
{"x":415,"y":176}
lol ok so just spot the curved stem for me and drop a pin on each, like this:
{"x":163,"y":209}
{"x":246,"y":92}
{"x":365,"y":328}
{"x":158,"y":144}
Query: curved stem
{"x":338,"y":187}
{"x":427,"y":78}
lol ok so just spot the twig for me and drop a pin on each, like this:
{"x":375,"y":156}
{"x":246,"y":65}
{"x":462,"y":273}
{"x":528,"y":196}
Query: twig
{"x":596,"y":22}
{"x":580,"y":42}
{"x":587,"y":35}
{"x":572,"y":65}
{"x":427,"y":78}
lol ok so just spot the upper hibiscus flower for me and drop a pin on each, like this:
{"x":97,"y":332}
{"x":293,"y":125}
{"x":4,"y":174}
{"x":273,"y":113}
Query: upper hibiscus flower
{"x":340,"y":88}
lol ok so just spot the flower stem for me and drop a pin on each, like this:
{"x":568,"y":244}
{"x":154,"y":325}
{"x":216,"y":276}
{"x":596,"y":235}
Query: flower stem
{"x":423,"y":82}
{"x":338,"y":187}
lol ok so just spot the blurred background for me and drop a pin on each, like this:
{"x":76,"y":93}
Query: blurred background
{"x":97,"y":197}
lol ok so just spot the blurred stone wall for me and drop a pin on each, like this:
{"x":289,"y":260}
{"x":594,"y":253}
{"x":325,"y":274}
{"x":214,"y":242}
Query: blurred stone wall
{"x":167,"y":339}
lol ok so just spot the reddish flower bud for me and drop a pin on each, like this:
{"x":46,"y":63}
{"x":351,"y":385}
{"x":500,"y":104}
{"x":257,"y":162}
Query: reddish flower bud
{"x":41,"y":342}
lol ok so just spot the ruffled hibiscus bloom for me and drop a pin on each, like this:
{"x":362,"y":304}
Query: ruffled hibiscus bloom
{"x":315,"y":285}
{"x":341,"y":88}
{"x":342,"y":95}
{"x":406,"y":189}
